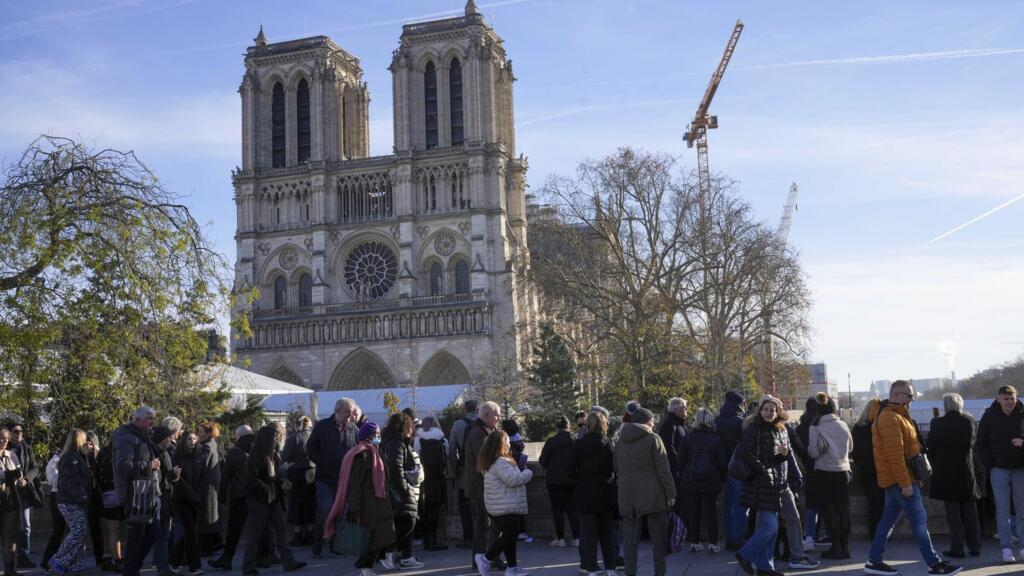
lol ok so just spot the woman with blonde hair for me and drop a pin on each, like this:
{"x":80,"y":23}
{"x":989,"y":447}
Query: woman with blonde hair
{"x":504,"y":499}
{"x":74,"y":492}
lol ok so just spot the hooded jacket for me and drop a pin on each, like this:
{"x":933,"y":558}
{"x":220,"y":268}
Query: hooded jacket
{"x":645,"y":481}
{"x":894,"y":439}
{"x":554,"y":457}
{"x":995,"y":432}
{"x":405,"y":475}
{"x":703,"y":440}
{"x":592,"y":468}
{"x":232,"y":475}
{"x":759,"y":448}
{"x":673,"y":432}
{"x":729,"y":422}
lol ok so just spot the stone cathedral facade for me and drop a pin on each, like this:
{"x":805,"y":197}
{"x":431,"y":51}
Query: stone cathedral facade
{"x":388,"y":271}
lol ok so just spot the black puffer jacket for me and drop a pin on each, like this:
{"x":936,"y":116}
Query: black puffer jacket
{"x":995,"y":432}
{"x":864,"y":454}
{"x":592,"y":467}
{"x":399,"y":458}
{"x":74,"y":480}
{"x":554,"y":457}
{"x":187,"y":491}
{"x":758,"y":447}
{"x":232,"y":481}
{"x":673,"y":432}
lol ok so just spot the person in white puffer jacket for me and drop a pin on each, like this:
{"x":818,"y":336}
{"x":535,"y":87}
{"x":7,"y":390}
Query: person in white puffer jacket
{"x":505,"y":500}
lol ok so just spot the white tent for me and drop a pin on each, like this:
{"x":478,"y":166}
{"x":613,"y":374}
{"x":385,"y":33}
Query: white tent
{"x":426,"y":400}
{"x":243,"y":383}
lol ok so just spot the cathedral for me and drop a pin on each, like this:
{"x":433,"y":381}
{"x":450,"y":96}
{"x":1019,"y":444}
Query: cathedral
{"x":379,"y":272}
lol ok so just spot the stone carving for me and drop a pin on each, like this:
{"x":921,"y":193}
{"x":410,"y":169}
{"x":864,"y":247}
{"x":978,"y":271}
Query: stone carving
{"x":335,"y":235}
{"x":423,"y":230}
{"x":395,"y":231}
{"x":464,"y":227}
{"x":264,"y":248}
{"x":309,"y":244}
{"x":445,"y":244}
{"x":288,"y":258}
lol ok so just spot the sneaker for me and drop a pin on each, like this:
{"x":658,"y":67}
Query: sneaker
{"x":713,"y":549}
{"x":696,"y":548}
{"x":483,"y":565}
{"x":745,"y":564}
{"x":297,"y":565}
{"x":521,"y":571}
{"x":808,"y":544}
{"x":944,"y":568}
{"x":516,"y":571}
{"x":880,"y":569}
{"x":524,"y":537}
{"x":558,"y":543}
{"x":823,"y":541}
{"x":803,"y":563}
{"x":575,"y":542}
{"x":388,"y":561}
{"x":409,"y":563}
{"x":367,"y":572}
{"x":1008,"y":556}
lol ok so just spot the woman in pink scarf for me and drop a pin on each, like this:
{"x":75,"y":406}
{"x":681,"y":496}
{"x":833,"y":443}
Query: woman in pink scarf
{"x":363,"y":488}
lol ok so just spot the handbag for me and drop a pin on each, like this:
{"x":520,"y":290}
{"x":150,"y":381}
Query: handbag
{"x":142,"y":509}
{"x":351,"y":539}
{"x":739,"y":468}
{"x":675,"y":536}
{"x":920,"y":467}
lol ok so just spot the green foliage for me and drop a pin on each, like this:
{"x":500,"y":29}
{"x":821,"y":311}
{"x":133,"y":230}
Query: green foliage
{"x":450,"y":415}
{"x":108,"y":288}
{"x":553,"y":373}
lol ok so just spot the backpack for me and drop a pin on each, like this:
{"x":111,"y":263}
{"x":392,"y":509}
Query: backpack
{"x":432,"y":458}
{"x":460,"y":460}
{"x":700,"y":469}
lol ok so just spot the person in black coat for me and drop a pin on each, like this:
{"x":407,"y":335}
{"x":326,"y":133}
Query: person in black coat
{"x":702,"y":463}
{"x":864,"y":468}
{"x":162,"y":438}
{"x":554,"y":457}
{"x":764,"y":448}
{"x":811,"y":500}
{"x":432,"y":447}
{"x":233,"y":491}
{"x":186,"y":501}
{"x":302,"y":496}
{"x":263,"y":488}
{"x":673,"y":431}
{"x":951,"y":449}
{"x":592,"y":467}
{"x":405,"y":474}
{"x":74,"y":480}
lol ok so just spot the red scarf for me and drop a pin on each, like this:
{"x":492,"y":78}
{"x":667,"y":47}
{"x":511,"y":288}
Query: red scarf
{"x":377,"y":466}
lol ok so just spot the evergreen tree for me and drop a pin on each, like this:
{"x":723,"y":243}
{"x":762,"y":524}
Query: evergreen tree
{"x":553,"y":374}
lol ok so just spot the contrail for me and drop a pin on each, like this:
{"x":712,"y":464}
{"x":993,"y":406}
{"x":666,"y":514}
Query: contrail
{"x":973,"y":220}
{"x":910,"y":57}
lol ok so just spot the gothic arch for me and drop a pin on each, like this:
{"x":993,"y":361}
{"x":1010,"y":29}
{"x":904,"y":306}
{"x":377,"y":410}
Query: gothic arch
{"x":271,"y":265}
{"x":361,"y":370}
{"x":452,"y":52}
{"x":420,"y":65}
{"x":286,"y":374}
{"x":427,"y":250}
{"x":300,"y":72}
{"x":443,"y":369}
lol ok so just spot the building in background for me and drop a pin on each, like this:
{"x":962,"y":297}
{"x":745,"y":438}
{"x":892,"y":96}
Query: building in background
{"x":391,"y":271}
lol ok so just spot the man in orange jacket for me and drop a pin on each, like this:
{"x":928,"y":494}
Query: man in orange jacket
{"x":895,"y":442}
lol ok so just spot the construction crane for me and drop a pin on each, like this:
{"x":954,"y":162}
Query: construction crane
{"x":787,"y":213}
{"x":697,"y":131}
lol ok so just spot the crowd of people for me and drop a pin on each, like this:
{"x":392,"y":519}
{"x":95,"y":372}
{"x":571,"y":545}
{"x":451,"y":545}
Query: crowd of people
{"x":169,"y":489}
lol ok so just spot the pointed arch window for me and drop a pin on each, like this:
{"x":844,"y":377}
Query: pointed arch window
{"x":436,"y":279}
{"x":461,"y":277}
{"x":302,"y":121}
{"x":305,"y":290}
{"x":277,"y":131}
{"x":455,"y":95}
{"x":430,"y":103}
{"x":280,"y":293}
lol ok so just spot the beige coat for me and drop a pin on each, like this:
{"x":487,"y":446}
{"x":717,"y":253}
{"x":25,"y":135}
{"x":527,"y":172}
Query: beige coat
{"x":641,"y":466}
{"x":505,"y":488}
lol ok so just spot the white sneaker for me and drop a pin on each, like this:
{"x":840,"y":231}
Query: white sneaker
{"x":409,"y":563}
{"x":1008,"y":556}
{"x":517,"y":571}
{"x":388,"y":561}
{"x":696,"y":548}
{"x":521,"y":571}
{"x":558,"y":543}
{"x":483,"y":565}
{"x":576,"y":542}
{"x":366,"y":572}
{"x":713,"y":549}
{"x":808,"y":544}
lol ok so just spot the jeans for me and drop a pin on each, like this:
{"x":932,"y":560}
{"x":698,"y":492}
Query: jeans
{"x":597,"y":529}
{"x":760,"y":548}
{"x":791,"y":520}
{"x":913,"y":509}
{"x":325,"y":494}
{"x":266,"y":517}
{"x":963,"y":517}
{"x":811,"y":529}
{"x":735,"y":515}
{"x":25,"y":536}
{"x":657,"y":525}
{"x":162,"y":546}
{"x":1006,"y":482}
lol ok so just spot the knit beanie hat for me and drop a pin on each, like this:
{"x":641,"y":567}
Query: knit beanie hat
{"x":367,"y":431}
{"x":642,"y":416}
{"x":602,"y":410}
{"x":632,"y":406}
{"x":510,"y":426}
{"x":734,"y":397}
{"x":160,"y":433}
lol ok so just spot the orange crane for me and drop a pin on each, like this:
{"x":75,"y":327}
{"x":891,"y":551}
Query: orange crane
{"x":697,"y":131}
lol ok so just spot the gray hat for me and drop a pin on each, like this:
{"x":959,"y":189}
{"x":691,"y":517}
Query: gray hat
{"x":642,"y":416}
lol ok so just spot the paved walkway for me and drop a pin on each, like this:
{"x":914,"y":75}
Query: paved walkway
{"x":540,"y":558}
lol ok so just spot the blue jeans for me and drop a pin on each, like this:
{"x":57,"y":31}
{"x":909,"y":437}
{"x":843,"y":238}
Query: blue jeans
{"x":811,"y":523}
{"x":1006,"y":482}
{"x":735,"y":515}
{"x":760,"y":548}
{"x":161,"y":548}
{"x":325,"y":494}
{"x":913,"y":509}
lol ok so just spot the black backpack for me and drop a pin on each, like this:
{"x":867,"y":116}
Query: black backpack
{"x":432,"y":458}
{"x":700,"y":468}
{"x":460,"y":460}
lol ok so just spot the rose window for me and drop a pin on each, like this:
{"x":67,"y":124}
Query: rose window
{"x":371,"y":270}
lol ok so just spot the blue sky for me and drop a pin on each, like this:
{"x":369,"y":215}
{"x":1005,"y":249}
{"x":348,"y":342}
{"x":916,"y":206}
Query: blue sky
{"x":899,"y":120}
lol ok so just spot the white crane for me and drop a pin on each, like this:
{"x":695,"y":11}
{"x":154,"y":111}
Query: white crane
{"x":787,"y":212}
